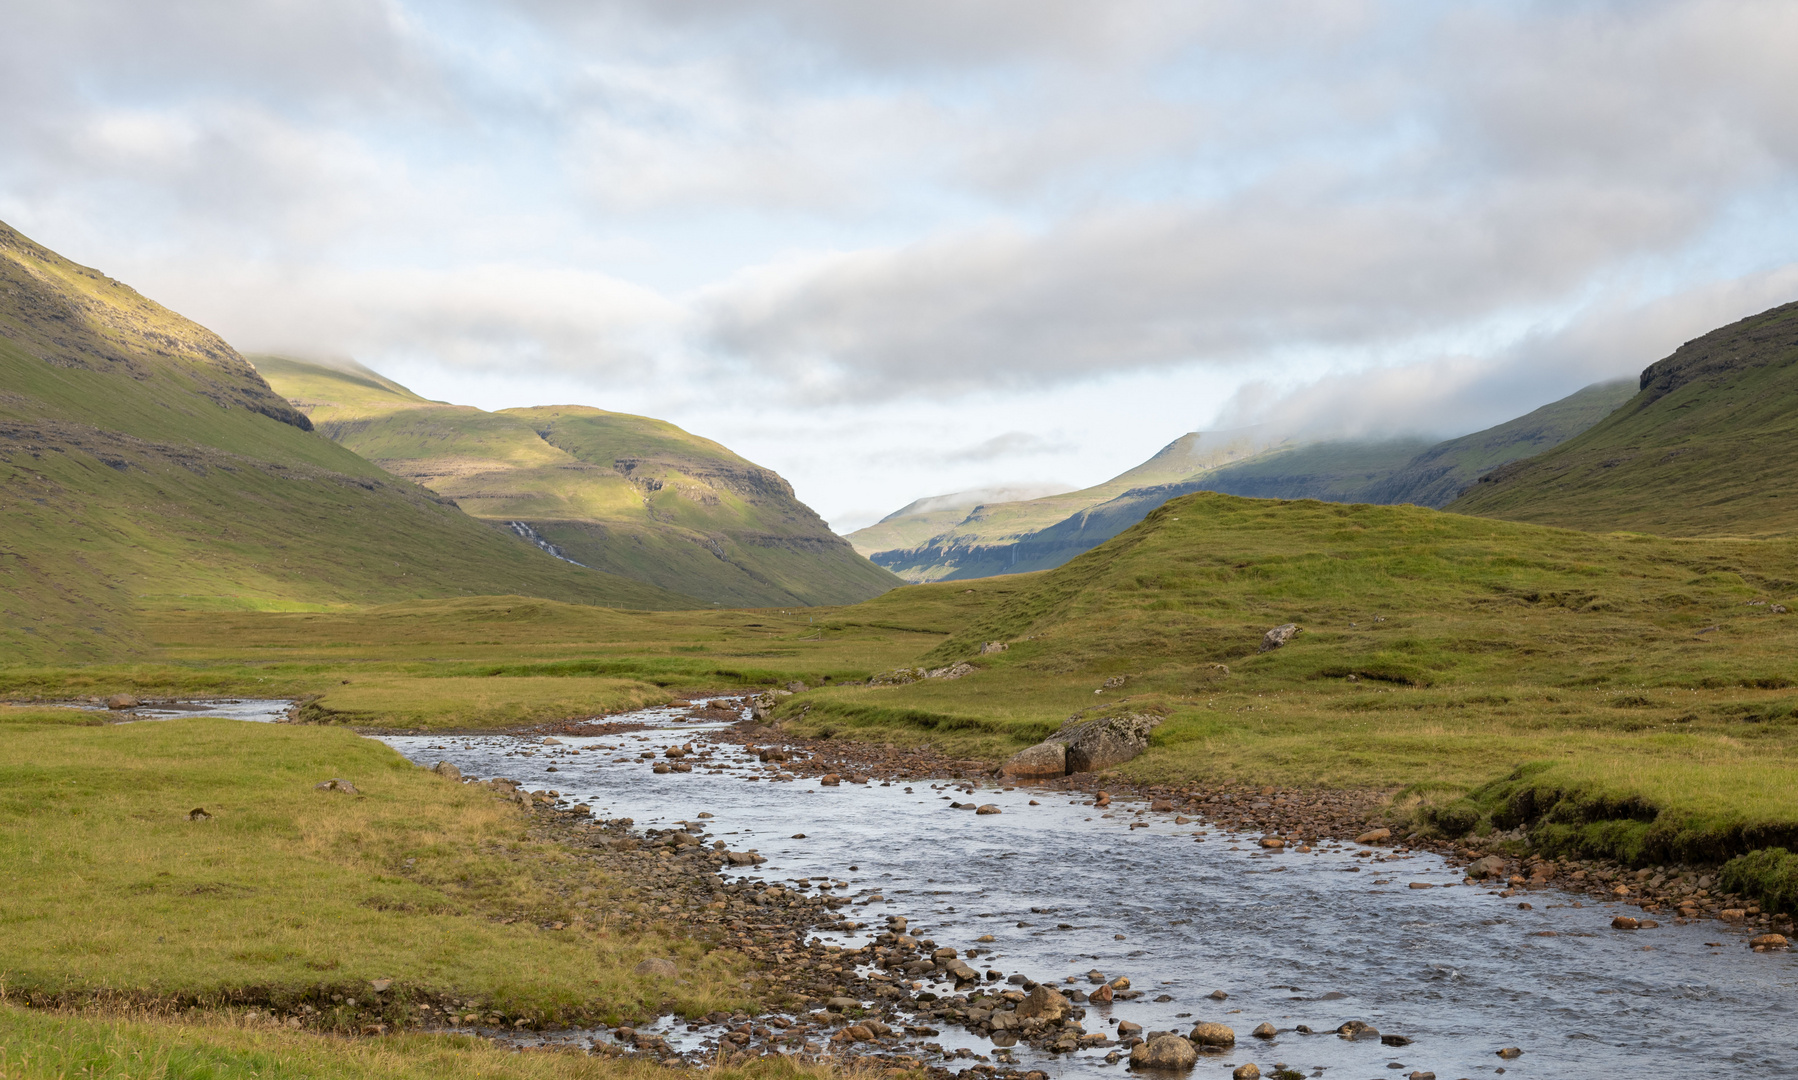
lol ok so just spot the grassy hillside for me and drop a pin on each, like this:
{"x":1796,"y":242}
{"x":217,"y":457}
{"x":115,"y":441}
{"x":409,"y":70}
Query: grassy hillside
{"x":1439,"y":475}
{"x":1335,"y":471}
{"x":144,"y":465}
{"x":624,"y":494}
{"x":1439,"y":652}
{"x":1705,"y":447}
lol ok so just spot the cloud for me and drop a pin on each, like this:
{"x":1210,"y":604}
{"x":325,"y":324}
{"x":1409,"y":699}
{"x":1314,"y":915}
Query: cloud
{"x":1452,"y":395}
{"x":1012,"y":444}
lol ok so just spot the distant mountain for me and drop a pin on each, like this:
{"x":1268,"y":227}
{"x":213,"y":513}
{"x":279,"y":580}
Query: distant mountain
{"x":986,"y":539}
{"x":1704,"y":447}
{"x":145,"y":464}
{"x":1010,"y":538}
{"x":921,"y":519}
{"x":625,"y":494}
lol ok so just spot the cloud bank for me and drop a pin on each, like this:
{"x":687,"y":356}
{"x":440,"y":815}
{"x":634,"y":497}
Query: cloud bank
{"x":1018,"y":229}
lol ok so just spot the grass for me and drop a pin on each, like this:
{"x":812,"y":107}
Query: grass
{"x":499,"y":661}
{"x":624,"y":494}
{"x":37,"y":1045}
{"x":1440,"y":653}
{"x":288,"y":894}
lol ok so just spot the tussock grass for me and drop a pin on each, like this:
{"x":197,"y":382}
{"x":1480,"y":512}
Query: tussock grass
{"x":286,"y":893}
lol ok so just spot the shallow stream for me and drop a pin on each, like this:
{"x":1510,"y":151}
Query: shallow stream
{"x":1183,"y":911}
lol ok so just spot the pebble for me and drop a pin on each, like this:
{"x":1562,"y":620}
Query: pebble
{"x":1265,"y":1031}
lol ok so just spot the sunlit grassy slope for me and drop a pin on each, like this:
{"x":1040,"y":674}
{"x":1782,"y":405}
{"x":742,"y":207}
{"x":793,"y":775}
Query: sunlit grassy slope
{"x":144,"y":464}
{"x":625,"y":494}
{"x":1706,"y":447}
{"x":1439,"y":652}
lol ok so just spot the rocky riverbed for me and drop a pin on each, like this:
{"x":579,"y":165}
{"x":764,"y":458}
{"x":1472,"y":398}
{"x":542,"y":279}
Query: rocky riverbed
{"x":906,"y":907}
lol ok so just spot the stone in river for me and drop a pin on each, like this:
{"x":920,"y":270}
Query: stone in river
{"x":1209,"y":1034}
{"x":1217,"y":995}
{"x":1769,"y":941}
{"x":988,"y":808}
{"x":1624,"y":922}
{"x":1510,"y":1052}
{"x":1481,"y":869}
{"x":1394,"y":1040}
{"x":1272,"y":842}
{"x":830,"y":780}
{"x":838,"y":1004}
{"x":1128,"y":1027}
{"x":1045,"y":1004}
{"x":1375,"y":836}
{"x":447,"y":771}
{"x":1163,"y":1052}
{"x":121,"y":701}
{"x":1246,"y":1071}
{"x":1265,"y":1031}
{"x":1101,"y":995}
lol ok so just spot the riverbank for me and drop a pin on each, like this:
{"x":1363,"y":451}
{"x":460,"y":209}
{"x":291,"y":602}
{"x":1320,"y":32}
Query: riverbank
{"x":1293,"y":816}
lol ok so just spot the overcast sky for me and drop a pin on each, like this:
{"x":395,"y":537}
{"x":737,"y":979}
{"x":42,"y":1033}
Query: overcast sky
{"x":896,"y":250}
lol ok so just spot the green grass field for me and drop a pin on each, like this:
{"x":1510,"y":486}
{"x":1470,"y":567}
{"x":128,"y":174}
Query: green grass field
{"x":36,"y":1045}
{"x":286,"y":893}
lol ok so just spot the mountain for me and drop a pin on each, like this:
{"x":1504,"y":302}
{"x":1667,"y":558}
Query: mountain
{"x":921,"y":519}
{"x":624,"y":494}
{"x":996,"y":538}
{"x":145,"y":464}
{"x":1437,"y":476}
{"x":1013,"y":538}
{"x":1704,"y":447}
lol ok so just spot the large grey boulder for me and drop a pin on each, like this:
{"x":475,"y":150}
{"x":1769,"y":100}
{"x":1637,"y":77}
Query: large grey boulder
{"x":1084,"y":746}
{"x":1094,"y":745}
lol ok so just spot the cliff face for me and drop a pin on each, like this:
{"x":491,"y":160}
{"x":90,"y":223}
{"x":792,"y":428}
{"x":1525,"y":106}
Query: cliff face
{"x":1704,"y":447}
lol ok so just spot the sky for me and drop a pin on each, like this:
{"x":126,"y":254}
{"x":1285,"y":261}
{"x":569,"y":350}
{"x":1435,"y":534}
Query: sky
{"x":899,"y":250}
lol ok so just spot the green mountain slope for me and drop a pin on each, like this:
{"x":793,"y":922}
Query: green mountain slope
{"x":1705,"y":447}
{"x":625,"y":494}
{"x":1336,"y":471}
{"x":987,"y":539}
{"x":145,"y":464}
{"x":1437,"y":476}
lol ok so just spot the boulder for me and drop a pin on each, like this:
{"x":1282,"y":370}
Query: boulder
{"x":988,"y":808}
{"x":1163,"y":1052}
{"x":1265,"y":1031}
{"x":992,"y":647}
{"x":335,"y":784}
{"x":960,"y":971}
{"x":199,"y":813}
{"x":1768,"y":941}
{"x":658,"y":967}
{"x":1279,"y":636}
{"x":1043,"y":761}
{"x":447,"y":771}
{"x":1246,"y":1071}
{"x":1044,"y":1003}
{"x":1097,"y":744}
{"x":1374,"y":836}
{"x":1209,"y":1034}
{"x":1489,"y":867}
{"x":121,"y":701}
